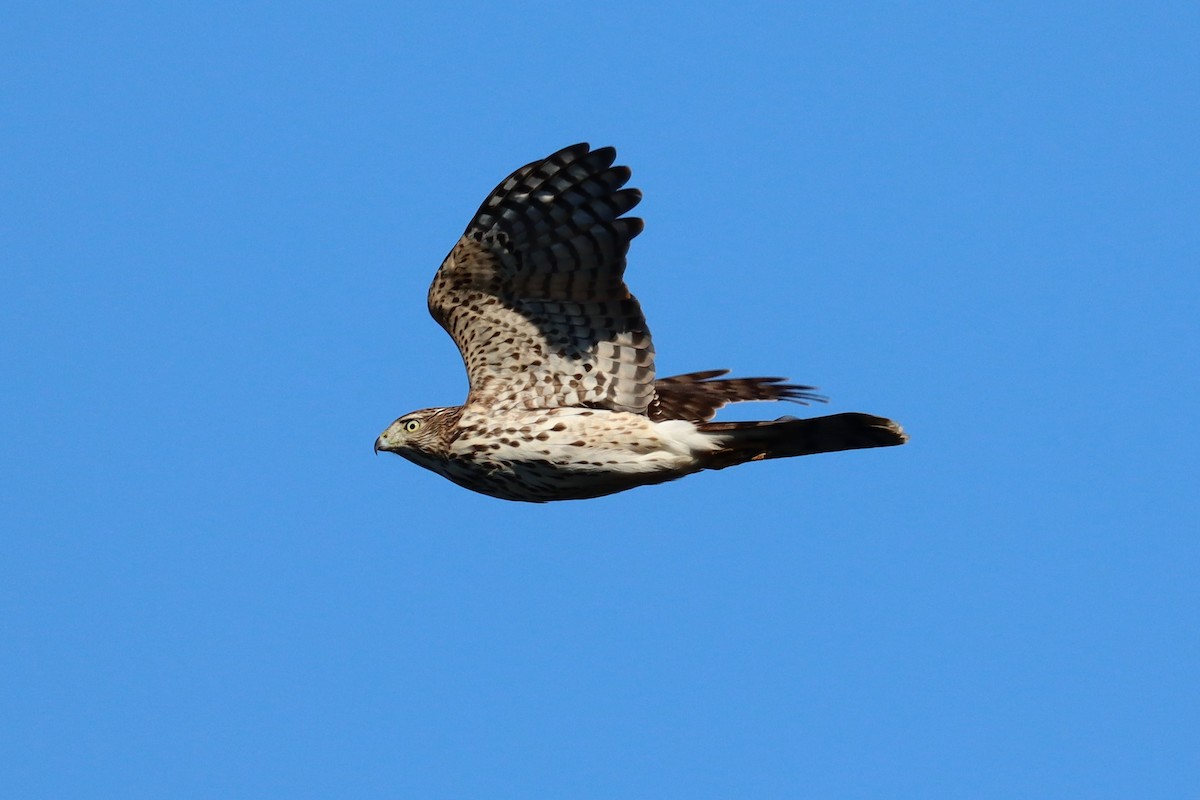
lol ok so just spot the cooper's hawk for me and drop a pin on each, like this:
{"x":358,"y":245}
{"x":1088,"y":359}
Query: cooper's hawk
{"x":563,"y":401}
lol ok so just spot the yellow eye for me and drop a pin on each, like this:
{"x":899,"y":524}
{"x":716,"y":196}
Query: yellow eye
{"x":412,"y":426}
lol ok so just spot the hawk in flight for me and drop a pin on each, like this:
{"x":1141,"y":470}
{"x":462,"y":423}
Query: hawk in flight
{"x":564,"y":403}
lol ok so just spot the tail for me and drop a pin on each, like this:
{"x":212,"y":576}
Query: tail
{"x":788,"y":436}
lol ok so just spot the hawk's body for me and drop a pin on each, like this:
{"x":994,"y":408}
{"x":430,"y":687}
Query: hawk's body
{"x":563,"y":400}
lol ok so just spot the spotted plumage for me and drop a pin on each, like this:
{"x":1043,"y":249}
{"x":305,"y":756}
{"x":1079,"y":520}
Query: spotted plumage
{"x":563,"y":401}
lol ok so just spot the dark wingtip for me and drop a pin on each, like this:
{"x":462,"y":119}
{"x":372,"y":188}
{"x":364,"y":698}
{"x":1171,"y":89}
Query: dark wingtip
{"x":577,"y":149}
{"x":795,"y":393}
{"x":605,"y":155}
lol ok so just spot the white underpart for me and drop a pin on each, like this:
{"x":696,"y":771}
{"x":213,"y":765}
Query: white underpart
{"x":684,"y":438}
{"x":677,"y":443}
{"x":593,"y":440}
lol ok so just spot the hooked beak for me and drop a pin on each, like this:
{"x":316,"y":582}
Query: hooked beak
{"x":377,"y":447}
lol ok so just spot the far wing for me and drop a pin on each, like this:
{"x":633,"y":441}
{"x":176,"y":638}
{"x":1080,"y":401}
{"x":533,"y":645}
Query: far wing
{"x":697,"y":396}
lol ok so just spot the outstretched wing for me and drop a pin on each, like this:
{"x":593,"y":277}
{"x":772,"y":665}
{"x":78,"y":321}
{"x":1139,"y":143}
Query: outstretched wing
{"x":697,"y":396}
{"x":534,"y":296}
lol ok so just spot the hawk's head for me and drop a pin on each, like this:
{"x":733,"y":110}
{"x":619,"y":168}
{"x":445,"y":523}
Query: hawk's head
{"x":420,"y":436}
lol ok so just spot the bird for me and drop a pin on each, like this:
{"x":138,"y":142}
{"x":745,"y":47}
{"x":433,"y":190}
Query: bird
{"x":563,"y":401}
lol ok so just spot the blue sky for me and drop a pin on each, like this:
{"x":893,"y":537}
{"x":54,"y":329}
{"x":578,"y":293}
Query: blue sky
{"x":217,"y":226}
